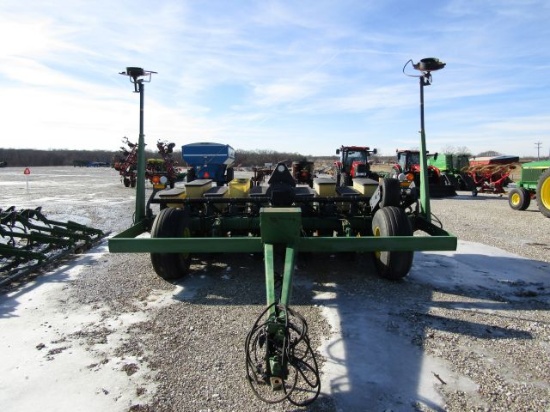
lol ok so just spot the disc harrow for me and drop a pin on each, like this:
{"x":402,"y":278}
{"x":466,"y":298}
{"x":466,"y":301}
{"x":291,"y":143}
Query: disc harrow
{"x":29,"y":241}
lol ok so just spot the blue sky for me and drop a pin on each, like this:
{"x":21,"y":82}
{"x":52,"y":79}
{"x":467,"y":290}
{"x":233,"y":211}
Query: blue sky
{"x":295,"y":76}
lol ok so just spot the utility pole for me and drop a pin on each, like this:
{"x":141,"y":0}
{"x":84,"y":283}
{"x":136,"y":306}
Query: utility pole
{"x":538,"y":144}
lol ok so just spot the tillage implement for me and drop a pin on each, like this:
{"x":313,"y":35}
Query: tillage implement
{"x":30,"y":241}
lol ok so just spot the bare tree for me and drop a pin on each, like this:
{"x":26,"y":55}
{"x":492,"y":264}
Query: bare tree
{"x":463,"y":150}
{"x":459,"y":150}
{"x":489,"y":153}
{"x":449,"y":149}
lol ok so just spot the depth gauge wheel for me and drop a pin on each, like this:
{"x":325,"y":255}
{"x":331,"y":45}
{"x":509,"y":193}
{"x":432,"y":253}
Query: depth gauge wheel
{"x":171,"y":223}
{"x":392,"y":221}
{"x":519,"y":198}
{"x":543,"y":193}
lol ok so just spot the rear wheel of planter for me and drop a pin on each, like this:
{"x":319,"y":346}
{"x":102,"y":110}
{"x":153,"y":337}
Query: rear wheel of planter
{"x":543,"y":193}
{"x":171,"y":223}
{"x":519,"y":198}
{"x":392,"y":221}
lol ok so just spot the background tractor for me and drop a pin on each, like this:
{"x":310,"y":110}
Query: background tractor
{"x":353,"y":163}
{"x":453,"y":169}
{"x":303,"y":173}
{"x":408,"y":164}
{"x":534,"y":184}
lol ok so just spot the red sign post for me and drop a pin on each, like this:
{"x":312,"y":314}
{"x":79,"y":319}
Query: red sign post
{"x":27,"y":172}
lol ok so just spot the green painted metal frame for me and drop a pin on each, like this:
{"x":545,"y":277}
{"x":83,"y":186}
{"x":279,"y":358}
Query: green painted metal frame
{"x":282,"y":226}
{"x":122,"y":243}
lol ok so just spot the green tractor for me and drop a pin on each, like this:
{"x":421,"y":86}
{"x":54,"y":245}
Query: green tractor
{"x":534,"y":183}
{"x":453,"y":169}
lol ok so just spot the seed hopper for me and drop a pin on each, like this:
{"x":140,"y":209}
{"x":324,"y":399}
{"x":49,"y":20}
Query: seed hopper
{"x":281,"y":219}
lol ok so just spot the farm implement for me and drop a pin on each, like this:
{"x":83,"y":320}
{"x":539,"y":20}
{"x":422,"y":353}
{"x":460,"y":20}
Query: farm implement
{"x":158,"y":171}
{"x":30,"y":241}
{"x":125,"y":165}
{"x":491,"y":174}
{"x":282,"y":218}
{"x":163,"y":172}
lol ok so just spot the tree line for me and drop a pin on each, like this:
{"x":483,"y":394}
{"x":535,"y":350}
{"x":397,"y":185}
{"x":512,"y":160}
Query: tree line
{"x":243,"y":158}
{"x":61,"y":157}
{"x":34,"y":157}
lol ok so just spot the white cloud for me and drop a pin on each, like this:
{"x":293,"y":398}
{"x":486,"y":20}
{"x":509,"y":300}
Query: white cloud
{"x":291,"y":75}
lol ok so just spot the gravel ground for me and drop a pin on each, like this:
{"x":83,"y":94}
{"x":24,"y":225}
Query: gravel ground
{"x":488,"y":219}
{"x":191,"y":343}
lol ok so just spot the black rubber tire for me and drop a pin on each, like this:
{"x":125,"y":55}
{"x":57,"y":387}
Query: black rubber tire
{"x":467,"y":182}
{"x":349,"y":180}
{"x":373,"y":176}
{"x":392,"y":221}
{"x":344,"y":180}
{"x":390,"y":192}
{"x":191,"y":175}
{"x":171,"y":222}
{"x":439,"y":190}
{"x":461,"y":183}
{"x":230,"y":174}
{"x":519,"y":198}
{"x":543,"y":193}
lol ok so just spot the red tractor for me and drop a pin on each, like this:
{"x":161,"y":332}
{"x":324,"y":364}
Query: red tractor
{"x":302,"y":172}
{"x":408,"y":164}
{"x":353,"y":163}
